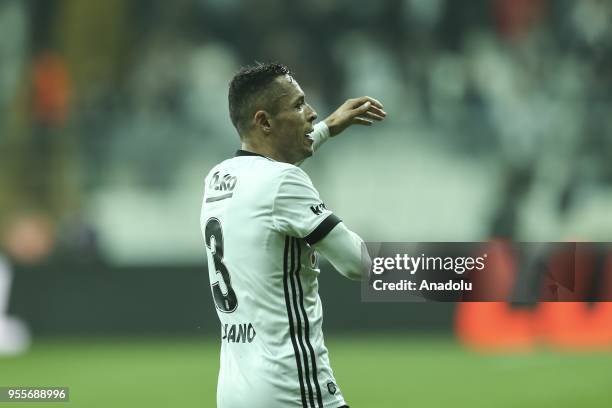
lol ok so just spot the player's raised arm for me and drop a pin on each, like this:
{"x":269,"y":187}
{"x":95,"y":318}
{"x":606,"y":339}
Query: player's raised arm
{"x":344,"y":249}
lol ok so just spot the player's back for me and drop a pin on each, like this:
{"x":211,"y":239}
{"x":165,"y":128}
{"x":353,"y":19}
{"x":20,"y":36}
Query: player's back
{"x":263,"y":278}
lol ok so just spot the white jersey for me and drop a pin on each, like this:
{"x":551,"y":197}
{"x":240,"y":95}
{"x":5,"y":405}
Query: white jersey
{"x":259,"y":219}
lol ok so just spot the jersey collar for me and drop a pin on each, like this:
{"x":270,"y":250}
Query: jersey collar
{"x":241,"y":152}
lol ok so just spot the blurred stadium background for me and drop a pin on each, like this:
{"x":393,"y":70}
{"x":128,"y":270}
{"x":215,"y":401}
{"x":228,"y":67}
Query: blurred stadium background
{"x":112,"y":112}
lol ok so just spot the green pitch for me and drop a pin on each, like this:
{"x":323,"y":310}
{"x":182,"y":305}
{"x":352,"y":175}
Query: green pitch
{"x":372,"y":371}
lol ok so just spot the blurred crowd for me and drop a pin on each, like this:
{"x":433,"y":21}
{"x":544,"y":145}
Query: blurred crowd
{"x":111,"y":113}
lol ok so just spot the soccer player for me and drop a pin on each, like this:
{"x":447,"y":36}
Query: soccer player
{"x":264,"y":225}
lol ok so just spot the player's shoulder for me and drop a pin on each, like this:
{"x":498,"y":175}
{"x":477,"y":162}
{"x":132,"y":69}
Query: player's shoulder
{"x":280,"y":174}
{"x":291,"y":174}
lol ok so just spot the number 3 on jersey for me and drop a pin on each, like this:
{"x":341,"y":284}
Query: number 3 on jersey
{"x":223,"y":294}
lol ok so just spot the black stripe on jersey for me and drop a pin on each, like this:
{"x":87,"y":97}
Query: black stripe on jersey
{"x":322,"y":229}
{"x":307,"y":329}
{"x":296,"y":351}
{"x":295,"y":265}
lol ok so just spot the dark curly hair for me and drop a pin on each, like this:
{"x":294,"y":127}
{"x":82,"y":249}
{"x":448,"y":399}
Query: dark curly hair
{"x":250,"y":89}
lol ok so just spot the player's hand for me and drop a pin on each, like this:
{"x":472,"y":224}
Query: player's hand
{"x":357,"y":111}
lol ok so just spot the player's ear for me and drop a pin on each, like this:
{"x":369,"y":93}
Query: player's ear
{"x":262,"y":121}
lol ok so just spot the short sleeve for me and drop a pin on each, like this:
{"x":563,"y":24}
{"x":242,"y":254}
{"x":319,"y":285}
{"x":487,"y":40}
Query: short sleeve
{"x":298,"y":209}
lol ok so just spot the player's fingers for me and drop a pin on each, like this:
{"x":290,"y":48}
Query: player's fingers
{"x":362,"y":121}
{"x":375,"y":102}
{"x":374,"y":116}
{"x":369,"y":110}
{"x":363,"y":99}
{"x":377,"y":111}
{"x":361,"y":109}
